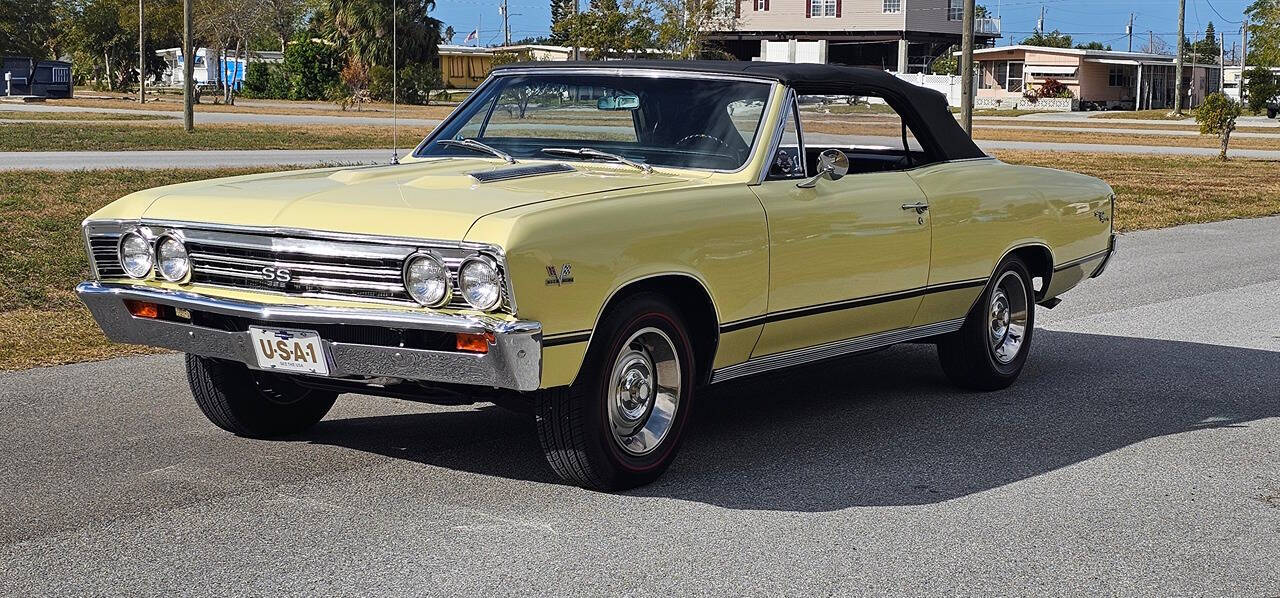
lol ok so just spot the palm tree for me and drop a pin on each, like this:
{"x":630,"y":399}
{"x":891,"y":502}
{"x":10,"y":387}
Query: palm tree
{"x":361,"y":29}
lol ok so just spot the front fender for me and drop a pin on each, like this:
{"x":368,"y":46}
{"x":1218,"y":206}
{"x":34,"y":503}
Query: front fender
{"x":713,"y":233}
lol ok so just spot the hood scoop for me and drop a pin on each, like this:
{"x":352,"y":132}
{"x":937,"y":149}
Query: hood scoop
{"x":519,"y":172}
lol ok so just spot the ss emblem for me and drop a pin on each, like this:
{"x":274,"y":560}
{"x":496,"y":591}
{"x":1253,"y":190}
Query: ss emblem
{"x":276,"y":275}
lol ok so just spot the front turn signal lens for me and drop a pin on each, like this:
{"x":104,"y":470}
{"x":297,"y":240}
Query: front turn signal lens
{"x":475,"y":343}
{"x":143,"y":309}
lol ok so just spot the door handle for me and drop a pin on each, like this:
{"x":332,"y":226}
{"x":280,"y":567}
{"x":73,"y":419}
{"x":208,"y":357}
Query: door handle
{"x":919,"y":206}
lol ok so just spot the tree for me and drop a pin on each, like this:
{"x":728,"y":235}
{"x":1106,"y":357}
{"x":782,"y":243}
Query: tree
{"x":1204,"y":50}
{"x":311,"y":68}
{"x":1093,"y":46}
{"x":612,"y":29}
{"x":947,"y":64}
{"x":27,"y":28}
{"x":102,"y":37}
{"x":1264,"y":33}
{"x":283,"y":18}
{"x":361,"y":29}
{"x":681,"y":31}
{"x":1217,"y":116}
{"x":561,"y":11}
{"x":448,"y":34}
{"x":1261,"y":86}
{"x":1053,"y":39}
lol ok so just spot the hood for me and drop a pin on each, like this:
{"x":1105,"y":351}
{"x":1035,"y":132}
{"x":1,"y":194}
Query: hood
{"x":437,"y":199}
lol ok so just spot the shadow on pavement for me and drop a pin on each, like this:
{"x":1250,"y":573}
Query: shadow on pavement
{"x":886,"y":428}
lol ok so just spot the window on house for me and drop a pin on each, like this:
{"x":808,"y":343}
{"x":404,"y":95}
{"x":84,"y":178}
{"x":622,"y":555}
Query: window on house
{"x":822,"y":8}
{"x":893,"y":5}
{"x":1119,"y":76}
{"x":955,"y":10}
{"x":761,"y":5}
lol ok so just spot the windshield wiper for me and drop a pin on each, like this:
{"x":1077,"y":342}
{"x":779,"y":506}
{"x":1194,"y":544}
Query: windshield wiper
{"x":587,"y":152}
{"x":476,"y":146}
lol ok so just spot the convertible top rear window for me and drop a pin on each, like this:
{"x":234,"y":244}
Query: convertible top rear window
{"x":706,"y":123}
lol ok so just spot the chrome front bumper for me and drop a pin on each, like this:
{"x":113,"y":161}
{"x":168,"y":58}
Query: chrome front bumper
{"x":514,"y":359}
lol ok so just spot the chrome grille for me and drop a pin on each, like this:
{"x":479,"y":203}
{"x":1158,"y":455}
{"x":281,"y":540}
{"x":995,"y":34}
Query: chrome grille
{"x":317,"y":267}
{"x":104,"y":250}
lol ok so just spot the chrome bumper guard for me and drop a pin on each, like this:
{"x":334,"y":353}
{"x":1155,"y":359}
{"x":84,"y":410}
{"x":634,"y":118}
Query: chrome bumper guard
{"x":514,"y":359}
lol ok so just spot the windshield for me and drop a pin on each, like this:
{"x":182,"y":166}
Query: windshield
{"x":655,"y":121}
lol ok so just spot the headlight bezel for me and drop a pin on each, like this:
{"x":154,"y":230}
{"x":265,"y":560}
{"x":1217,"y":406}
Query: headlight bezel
{"x":158,"y":261}
{"x":499,"y":282}
{"x":149,"y":252}
{"x":446,"y":296}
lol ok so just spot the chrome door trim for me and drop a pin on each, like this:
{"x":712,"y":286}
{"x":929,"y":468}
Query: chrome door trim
{"x":858,"y":344}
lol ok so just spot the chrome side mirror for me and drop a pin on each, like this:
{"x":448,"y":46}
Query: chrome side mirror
{"x":833,"y":164}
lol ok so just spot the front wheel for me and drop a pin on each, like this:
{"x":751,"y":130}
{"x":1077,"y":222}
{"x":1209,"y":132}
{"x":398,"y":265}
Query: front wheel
{"x":619,"y":425}
{"x":251,"y":403}
{"x":989,"y":350}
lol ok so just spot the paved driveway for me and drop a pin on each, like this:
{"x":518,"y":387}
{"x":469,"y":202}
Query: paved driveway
{"x":1136,"y":456}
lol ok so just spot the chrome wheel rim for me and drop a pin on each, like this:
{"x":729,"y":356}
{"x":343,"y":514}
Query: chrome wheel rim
{"x":1007,"y":317}
{"x":644,"y":391}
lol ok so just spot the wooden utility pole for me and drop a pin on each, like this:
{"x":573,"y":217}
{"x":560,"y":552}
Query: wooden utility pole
{"x":576,"y":56}
{"x":966,"y":68}
{"x":1177,"y":76}
{"x":1244,"y":57}
{"x":1129,"y":31}
{"x":142,"y":60}
{"x":188,"y":70}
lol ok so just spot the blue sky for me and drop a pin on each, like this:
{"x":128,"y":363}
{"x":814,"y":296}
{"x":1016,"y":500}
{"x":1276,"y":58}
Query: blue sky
{"x":1085,"y":20}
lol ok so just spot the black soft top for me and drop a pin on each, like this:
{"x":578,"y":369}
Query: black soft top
{"x":926,"y":110}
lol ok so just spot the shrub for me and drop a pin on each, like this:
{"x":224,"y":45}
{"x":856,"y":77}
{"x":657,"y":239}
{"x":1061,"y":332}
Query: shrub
{"x":417,"y":82}
{"x":1217,"y":116}
{"x":1263,"y":86}
{"x":310,"y":67}
{"x":265,"y":81}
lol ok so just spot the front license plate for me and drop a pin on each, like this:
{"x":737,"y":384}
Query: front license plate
{"x":296,"y":351}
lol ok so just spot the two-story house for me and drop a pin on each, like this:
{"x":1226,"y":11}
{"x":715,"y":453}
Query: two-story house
{"x":897,"y":35}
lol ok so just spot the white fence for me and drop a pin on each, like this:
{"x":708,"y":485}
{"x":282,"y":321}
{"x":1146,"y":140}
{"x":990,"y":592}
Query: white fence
{"x":949,"y":85}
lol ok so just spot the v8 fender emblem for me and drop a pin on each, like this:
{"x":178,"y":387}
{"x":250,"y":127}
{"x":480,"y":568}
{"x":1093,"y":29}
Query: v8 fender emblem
{"x":562,"y":277}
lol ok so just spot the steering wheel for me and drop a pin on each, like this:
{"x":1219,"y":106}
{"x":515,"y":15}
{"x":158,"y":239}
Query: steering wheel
{"x":701,"y":136}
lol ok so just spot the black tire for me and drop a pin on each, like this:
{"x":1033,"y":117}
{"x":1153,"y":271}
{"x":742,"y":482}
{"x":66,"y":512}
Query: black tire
{"x":967,"y":356}
{"x":254,"y":404}
{"x":574,"y":424}
{"x":1271,"y":112}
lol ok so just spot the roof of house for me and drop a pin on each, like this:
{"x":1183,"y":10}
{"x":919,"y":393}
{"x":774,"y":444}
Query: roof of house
{"x":1092,"y":55}
{"x":925,"y":109}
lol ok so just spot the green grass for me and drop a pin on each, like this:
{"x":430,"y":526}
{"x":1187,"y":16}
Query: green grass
{"x":30,"y":137}
{"x":42,"y":258}
{"x":25,"y":115}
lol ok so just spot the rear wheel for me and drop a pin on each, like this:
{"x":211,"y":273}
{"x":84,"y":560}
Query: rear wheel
{"x":251,"y":403}
{"x":989,"y":350}
{"x":620,"y":424}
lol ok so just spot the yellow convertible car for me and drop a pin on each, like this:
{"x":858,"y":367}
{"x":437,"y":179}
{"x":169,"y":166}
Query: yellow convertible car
{"x":592,"y":243}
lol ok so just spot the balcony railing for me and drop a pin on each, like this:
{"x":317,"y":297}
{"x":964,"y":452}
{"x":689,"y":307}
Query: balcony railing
{"x":986,"y":26}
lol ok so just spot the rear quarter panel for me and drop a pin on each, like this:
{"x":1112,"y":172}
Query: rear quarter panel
{"x":982,"y":209}
{"x":712,"y":232}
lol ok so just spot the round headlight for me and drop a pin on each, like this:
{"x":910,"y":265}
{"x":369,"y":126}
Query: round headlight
{"x":427,"y":280}
{"x":481,"y":283}
{"x":135,"y":255}
{"x":171,"y":259}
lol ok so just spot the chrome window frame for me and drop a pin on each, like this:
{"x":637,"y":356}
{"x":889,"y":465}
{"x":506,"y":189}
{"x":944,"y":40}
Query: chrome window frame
{"x":651,"y":73}
{"x":790,"y":109}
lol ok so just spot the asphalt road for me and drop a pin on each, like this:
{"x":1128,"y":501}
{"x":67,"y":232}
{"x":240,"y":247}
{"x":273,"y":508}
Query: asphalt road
{"x":1136,"y":456}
